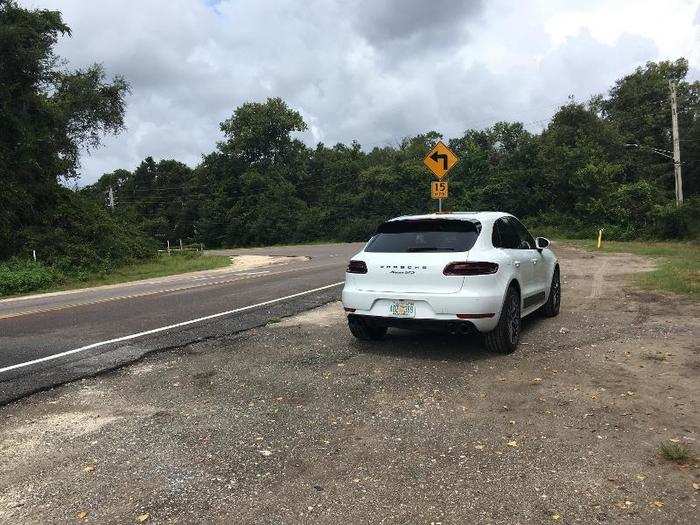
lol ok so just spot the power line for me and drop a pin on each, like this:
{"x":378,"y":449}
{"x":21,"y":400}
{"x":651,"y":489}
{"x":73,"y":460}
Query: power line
{"x":472,"y":125}
{"x":396,"y":140}
{"x":169,"y":201}
{"x":160,"y":188}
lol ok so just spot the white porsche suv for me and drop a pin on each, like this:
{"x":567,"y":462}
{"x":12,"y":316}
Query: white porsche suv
{"x":460,"y":272}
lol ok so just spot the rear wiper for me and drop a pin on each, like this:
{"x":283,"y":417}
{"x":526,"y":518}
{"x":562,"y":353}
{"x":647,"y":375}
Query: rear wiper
{"x":429,"y":249}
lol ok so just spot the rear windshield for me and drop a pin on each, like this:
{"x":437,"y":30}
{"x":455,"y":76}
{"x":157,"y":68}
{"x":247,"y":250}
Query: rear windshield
{"x":425,"y":235}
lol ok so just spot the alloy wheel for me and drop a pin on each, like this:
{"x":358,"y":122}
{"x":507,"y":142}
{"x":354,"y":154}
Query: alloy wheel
{"x":556,"y":290}
{"x":514,"y":319}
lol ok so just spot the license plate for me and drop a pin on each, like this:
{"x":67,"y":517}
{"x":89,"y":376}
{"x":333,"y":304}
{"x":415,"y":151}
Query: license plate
{"x":402,"y":309}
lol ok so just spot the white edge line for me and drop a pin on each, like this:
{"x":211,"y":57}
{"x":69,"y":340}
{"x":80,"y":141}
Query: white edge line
{"x":162,"y":329}
{"x":139,"y":295}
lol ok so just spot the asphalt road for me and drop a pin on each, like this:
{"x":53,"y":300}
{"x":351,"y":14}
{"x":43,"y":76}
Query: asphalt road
{"x":37,"y":327}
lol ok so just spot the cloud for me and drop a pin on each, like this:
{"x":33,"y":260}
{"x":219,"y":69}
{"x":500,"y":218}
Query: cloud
{"x":367,"y":70}
{"x":413,"y":26}
{"x":583,"y":66}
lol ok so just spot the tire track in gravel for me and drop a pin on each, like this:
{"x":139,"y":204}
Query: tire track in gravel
{"x":598,"y":282}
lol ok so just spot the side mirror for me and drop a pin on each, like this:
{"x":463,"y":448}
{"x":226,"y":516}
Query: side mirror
{"x":541,"y":243}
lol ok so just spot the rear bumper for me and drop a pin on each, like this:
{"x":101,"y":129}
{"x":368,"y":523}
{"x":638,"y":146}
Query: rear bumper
{"x":453,"y":326}
{"x":440,"y":308}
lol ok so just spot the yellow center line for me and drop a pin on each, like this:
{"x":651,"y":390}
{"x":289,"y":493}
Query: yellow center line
{"x":145,"y":294}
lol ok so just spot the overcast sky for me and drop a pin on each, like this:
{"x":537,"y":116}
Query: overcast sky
{"x":369,"y":70}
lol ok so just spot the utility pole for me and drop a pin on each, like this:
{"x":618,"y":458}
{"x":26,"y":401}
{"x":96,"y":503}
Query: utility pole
{"x":110,"y":198}
{"x":676,"y":145}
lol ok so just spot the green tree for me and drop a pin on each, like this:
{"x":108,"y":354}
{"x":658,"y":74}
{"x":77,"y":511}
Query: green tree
{"x":48,"y":115}
{"x":638,"y":105}
{"x":260,"y":133}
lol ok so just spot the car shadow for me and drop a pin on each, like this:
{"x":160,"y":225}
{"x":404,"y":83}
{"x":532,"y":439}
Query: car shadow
{"x":436,"y":345}
{"x":427,"y":345}
{"x":532,"y":321}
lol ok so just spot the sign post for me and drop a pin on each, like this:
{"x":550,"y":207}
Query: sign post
{"x":440,"y":161}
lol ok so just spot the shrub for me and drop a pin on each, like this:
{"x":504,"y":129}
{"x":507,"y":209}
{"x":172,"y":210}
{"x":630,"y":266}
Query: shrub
{"x":671,"y":221}
{"x":79,"y":235}
{"x":674,"y":452}
{"x":17,"y":277}
{"x":625,"y":222}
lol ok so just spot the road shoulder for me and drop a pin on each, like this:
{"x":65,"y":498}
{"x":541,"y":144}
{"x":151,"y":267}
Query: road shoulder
{"x":238,"y":263}
{"x":296,"y":421}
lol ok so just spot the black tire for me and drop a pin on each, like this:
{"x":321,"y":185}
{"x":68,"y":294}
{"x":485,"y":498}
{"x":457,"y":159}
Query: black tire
{"x":505,"y":337}
{"x":551,"y":307}
{"x":364,"y":332}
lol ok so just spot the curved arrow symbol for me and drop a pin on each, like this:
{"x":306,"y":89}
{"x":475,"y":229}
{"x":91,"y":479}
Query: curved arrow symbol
{"x":436,"y":156}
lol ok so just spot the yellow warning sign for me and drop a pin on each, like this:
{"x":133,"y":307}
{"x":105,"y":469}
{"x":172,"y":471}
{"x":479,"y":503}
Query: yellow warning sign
{"x":440,"y":160}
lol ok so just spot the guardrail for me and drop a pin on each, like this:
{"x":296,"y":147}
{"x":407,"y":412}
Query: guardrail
{"x":194,"y":247}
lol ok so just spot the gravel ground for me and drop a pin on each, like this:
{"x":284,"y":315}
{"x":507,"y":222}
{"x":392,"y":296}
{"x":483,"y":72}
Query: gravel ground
{"x":297,"y":422}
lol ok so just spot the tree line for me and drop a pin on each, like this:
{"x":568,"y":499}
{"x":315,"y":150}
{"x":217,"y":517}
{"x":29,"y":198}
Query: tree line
{"x":593,"y":166}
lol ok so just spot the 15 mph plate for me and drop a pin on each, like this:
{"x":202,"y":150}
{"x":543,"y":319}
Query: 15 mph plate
{"x":402,"y":309}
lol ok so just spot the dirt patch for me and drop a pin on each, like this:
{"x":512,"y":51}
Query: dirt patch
{"x":11,"y":499}
{"x":323,"y":316}
{"x":298,"y":422}
{"x":247,"y":262}
{"x":23,"y":438}
{"x":145,"y":368}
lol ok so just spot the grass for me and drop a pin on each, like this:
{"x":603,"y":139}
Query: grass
{"x":678,"y":268}
{"x":674,"y":452}
{"x":160,"y":266}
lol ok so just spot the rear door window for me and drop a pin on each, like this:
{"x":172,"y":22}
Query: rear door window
{"x":525,"y":241}
{"x":505,"y":236}
{"x":425,"y":236}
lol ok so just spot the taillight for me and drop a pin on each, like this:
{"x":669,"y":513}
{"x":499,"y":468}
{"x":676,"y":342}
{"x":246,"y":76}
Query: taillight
{"x":357,"y":267}
{"x":470,"y":268}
